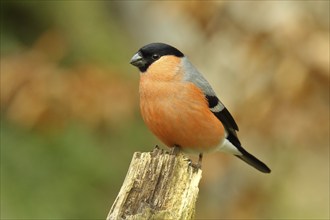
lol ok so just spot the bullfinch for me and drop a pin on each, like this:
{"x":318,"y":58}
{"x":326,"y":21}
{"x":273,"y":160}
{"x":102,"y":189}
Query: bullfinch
{"x":180,"y":107}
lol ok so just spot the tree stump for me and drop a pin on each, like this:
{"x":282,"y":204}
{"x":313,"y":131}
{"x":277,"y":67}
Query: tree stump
{"x":158,"y":185}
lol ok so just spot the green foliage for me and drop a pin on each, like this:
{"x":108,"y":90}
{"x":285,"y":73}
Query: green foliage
{"x":72,"y":174}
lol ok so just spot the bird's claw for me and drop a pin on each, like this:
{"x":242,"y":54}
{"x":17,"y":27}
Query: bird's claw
{"x":196,"y":166}
{"x":175,"y":150}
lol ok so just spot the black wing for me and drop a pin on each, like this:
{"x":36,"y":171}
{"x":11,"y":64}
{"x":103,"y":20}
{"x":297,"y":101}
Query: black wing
{"x":220,"y":111}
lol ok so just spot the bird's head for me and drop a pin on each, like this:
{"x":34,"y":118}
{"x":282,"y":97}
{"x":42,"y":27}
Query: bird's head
{"x":151,"y":53}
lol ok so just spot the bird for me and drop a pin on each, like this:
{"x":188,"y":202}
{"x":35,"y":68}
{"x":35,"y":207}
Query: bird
{"x":180,"y":107}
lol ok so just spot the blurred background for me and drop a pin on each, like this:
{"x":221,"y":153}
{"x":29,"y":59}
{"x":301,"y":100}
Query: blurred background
{"x":70,"y":119}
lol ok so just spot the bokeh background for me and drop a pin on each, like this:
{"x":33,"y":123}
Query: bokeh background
{"x":70,"y":119}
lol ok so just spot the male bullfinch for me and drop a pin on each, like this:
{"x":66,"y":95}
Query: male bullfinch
{"x":180,"y":107}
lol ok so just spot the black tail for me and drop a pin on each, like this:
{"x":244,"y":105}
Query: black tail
{"x":253,"y":161}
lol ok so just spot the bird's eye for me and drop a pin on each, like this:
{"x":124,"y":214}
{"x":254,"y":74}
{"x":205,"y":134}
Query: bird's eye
{"x":155,"y":56}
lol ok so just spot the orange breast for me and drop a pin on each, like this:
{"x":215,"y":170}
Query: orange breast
{"x":178,"y":114}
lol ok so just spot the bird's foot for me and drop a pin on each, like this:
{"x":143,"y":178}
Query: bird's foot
{"x":175,"y":150}
{"x":197,"y":165}
{"x":188,"y":160}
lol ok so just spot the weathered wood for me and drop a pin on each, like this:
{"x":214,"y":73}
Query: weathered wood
{"x":158,"y":185}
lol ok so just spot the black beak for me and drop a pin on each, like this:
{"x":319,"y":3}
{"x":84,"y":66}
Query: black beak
{"x":137,"y":60}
